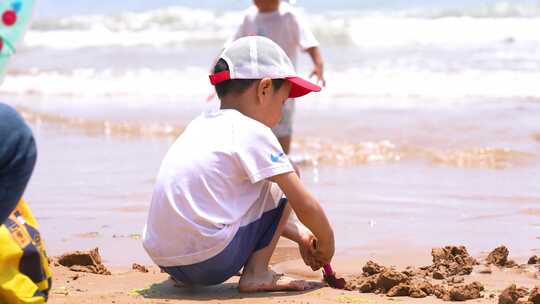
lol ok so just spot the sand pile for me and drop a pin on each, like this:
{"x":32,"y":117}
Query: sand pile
{"x":139,"y":268}
{"x":379,"y":279}
{"x":534,"y":296}
{"x":499,"y":257}
{"x":514,"y":295}
{"x":449,"y":264}
{"x":450,"y":261}
{"x":443,"y":279}
{"x":459,"y":292}
{"x":534,"y":260}
{"x":83,"y":261}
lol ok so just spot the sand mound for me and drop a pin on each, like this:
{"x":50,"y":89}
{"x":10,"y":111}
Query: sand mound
{"x":378,"y":279}
{"x":449,"y":263}
{"x":139,"y":268}
{"x":512,"y":294}
{"x":390,"y":278}
{"x":410,"y":290}
{"x":459,"y":292}
{"x":534,"y":297}
{"x":372,"y":268}
{"x":84,"y":261}
{"x":499,"y":257}
{"x":534,"y":260}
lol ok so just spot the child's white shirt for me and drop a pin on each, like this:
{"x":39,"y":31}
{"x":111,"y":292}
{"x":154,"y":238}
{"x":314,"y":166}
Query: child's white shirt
{"x":285,"y":27}
{"x":212,"y":181}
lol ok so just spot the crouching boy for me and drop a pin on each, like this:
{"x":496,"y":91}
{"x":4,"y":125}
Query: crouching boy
{"x":225,"y":189}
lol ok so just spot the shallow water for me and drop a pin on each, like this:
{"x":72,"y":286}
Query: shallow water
{"x":424,"y":177}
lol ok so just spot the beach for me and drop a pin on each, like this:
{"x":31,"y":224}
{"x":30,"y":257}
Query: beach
{"x":131,"y":285}
{"x":427,"y":135}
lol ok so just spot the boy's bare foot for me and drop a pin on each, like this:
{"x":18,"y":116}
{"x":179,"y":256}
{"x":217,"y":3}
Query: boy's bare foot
{"x":271,"y":281}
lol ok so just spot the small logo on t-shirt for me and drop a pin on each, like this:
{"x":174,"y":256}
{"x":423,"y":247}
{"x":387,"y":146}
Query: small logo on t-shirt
{"x":276,"y":158}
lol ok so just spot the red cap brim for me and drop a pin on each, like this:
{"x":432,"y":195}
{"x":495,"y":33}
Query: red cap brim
{"x":220,"y":77}
{"x":301,"y":87}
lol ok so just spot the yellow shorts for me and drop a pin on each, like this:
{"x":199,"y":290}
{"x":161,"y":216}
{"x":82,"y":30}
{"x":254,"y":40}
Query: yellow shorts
{"x":25,"y":276}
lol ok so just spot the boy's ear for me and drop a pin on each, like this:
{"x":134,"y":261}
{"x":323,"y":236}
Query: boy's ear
{"x":264,"y":89}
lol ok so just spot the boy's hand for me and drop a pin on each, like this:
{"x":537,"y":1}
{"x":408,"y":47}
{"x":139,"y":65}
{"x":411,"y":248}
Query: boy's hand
{"x":308,"y":252}
{"x":322,"y":254}
{"x":318,"y":71}
{"x":312,"y":253}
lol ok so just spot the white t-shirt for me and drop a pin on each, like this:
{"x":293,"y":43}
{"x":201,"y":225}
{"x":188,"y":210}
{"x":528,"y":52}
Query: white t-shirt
{"x":212,"y":181}
{"x":284,"y":26}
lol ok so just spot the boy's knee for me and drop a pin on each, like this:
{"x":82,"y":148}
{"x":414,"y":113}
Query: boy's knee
{"x":17,"y":146}
{"x":17,"y":158}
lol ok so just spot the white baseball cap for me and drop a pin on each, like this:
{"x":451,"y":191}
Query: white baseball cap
{"x":256,"y":57}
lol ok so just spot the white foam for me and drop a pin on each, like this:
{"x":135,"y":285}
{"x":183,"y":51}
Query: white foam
{"x":353,"y":87}
{"x":101,"y":37}
{"x":445,"y":32}
{"x":107,"y":83}
{"x":180,"y":26}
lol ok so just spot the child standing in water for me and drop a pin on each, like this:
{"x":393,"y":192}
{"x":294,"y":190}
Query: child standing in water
{"x":226,"y":189}
{"x":279,"y":22}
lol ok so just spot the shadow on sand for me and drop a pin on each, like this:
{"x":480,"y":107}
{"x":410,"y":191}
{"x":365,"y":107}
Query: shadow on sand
{"x":226,"y":291}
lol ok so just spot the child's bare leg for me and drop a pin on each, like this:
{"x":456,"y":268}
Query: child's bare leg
{"x":258,"y":277}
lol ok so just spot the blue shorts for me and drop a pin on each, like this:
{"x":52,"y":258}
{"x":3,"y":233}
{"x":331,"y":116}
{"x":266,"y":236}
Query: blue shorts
{"x":220,"y":268}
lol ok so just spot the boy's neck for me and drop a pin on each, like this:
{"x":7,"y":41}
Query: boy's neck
{"x":228,"y":103}
{"x":268,"y":7}
{"x":241,"y":104}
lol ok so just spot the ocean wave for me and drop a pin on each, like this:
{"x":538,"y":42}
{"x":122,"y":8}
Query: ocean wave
{"x":497,"y":10}
{"x":315,"y":152}
{"x":180,"y":26}
{"x":101,"y":127}
{"x":100,"y":38}
{"x":184,"y":18}
{"x":108,"y":83}
{"x":369,"y":84}
{"x":482,"y":158}
{"x":373,"y":32}
{"x":170,"y":19}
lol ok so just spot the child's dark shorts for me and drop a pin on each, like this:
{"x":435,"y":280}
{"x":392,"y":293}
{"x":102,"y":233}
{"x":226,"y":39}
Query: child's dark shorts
{"x":18,"y":155}
{"x":249,"y":239}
